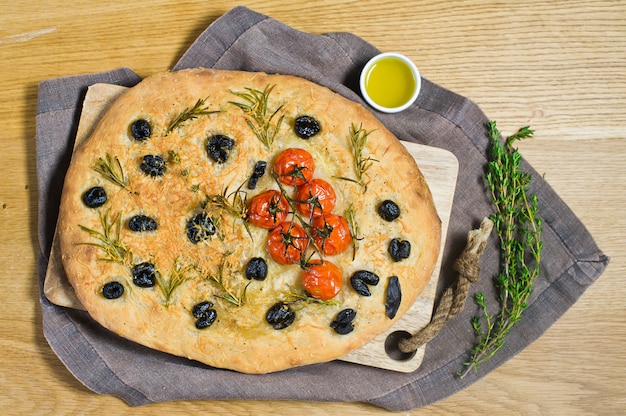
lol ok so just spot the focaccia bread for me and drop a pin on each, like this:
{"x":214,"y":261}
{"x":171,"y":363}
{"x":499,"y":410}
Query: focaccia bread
{"x":248,"y":221}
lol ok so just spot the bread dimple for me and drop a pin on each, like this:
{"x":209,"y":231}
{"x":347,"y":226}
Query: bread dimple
{"x":240,"y":338}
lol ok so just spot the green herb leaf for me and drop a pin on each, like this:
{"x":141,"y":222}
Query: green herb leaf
{"x":110,"y":243}
{"x":353,"y":226}
{"x":260,"y":120}
{"x":518,"y":226}
{"x":234,"y":204}
{"x":192,"y":113}
{"x":358,"y":140}
{"x":178,"y":275}
{"x":227,"y":293}
{"x":296,"y":297}
{"x":111,"y":169}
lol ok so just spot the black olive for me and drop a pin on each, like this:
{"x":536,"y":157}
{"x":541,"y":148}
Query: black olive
{"x":141,"y":223}
{"x":112,"y":290}
{"x":200,"y":228}
{"x":95,"y":197}
{"x":201,"y":309}
{"x":360,"y":287}
{"x":140,"y":129}
{"x":367,"y":277}
{"x":399,"y":249}
{"x":394,"y":297}
{"x":306,"y":127}
{"x":259,"y":171}
{"x":204,"y":314}
{"x":153,"y":165}
{"x":144,"y":275}
{"x":256,"y":269}
{"x":207,"y":319}
{"x":218,"y":147}
{"x":280,"y":316}
{"x":342,"y":329}
{"x":388,"y":210}
{"x":252,"y":182}
{"x":343,"y":322}
{"x":361,"y":279}
{"x":346,"y":315}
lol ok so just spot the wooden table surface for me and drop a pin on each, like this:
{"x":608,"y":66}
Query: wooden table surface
{"x":559,"y":66}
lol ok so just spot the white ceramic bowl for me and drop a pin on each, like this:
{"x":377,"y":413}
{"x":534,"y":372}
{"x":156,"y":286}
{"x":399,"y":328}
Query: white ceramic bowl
{"x":409,"y":65}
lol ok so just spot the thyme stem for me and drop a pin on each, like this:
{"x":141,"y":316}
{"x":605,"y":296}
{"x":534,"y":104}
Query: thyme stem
{"x":518,"y":226}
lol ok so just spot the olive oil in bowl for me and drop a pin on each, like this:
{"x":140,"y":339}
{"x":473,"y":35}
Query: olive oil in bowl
{"x":390,"y":82}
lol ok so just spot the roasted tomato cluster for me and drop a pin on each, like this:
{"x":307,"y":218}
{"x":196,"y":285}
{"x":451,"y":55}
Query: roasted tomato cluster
{"x":301,"y":222}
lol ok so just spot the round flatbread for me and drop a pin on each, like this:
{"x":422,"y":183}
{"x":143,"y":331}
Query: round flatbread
{"x":248,"y":221}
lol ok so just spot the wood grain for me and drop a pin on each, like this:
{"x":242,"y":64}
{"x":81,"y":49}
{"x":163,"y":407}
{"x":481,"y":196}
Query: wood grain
{"x":558,"y":66}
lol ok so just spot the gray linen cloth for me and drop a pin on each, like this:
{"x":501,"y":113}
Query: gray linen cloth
{"x":245,"y":40}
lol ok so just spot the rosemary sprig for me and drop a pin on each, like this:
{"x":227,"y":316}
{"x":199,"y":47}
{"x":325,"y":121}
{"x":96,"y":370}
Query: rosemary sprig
{"x":296,"y":297}
{"x":191,"y":113}
{"x":178,"y":275}
{"x":227,"y":294}
{"x":260,"y":119}
{"x":353,"y":226}
{"x":110,"y":243}
{"x":111,"y":169}
{"x":358,"y":140}
{"x":234,"y":204}
{"x":518,"y":226}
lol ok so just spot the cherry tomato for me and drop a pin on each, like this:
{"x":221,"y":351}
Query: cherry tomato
{"x":332,"y":234}
{"x":268,"y":209}
{"x":320,"y":198}
{"x":294,"y":166}
{"x":287,"y":243}
{"x":322,"y":280}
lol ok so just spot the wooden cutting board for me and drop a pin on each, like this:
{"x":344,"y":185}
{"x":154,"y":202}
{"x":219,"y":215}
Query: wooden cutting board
{"x":439,"y":167}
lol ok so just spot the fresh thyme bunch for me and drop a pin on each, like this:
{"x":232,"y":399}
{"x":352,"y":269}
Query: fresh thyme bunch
{"x":518,"y":226}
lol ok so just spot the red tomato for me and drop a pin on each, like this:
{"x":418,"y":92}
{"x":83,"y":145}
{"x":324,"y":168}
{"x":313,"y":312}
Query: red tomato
{"x":268,"y":209}
{"x":287,"y":243}
{"x":322,"y":280}
{"x":294,"y":166}
{"x":320,"y":198}
{"x":331,"y":234}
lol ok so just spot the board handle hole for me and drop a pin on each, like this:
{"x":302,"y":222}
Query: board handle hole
{"x":393,"y":350}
